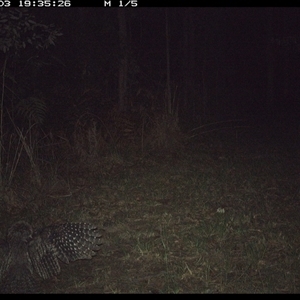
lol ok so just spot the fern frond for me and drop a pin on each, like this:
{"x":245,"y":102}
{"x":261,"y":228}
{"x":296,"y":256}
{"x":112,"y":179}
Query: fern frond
{"x":33,"y":109}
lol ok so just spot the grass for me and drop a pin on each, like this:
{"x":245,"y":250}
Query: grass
{"x":209,"y":221}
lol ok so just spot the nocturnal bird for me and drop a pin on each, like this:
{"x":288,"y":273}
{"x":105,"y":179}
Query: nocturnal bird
{"x":36,"y":253}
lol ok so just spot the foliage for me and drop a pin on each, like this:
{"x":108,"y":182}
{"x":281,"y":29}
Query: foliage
{"x":18,"y":28}
{"x":165,"y":134}
{"x":33,"y":109}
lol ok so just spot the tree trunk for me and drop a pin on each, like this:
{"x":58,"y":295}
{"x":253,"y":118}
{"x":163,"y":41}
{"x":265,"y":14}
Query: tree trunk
{"x":270,"y":63}
{"x":123,"y":66}
{"x":168,"y":79}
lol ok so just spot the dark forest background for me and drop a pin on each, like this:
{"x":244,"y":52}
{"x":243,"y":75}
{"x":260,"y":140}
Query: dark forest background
{"x":223,"y":62}
{"x":146,"y":77}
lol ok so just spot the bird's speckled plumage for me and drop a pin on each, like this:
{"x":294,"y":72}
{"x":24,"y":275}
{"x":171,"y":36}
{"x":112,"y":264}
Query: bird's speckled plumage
{"x":38,"y":252}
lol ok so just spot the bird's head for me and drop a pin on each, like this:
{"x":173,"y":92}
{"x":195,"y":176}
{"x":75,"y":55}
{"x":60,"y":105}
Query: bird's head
{"x":19,"y":231}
